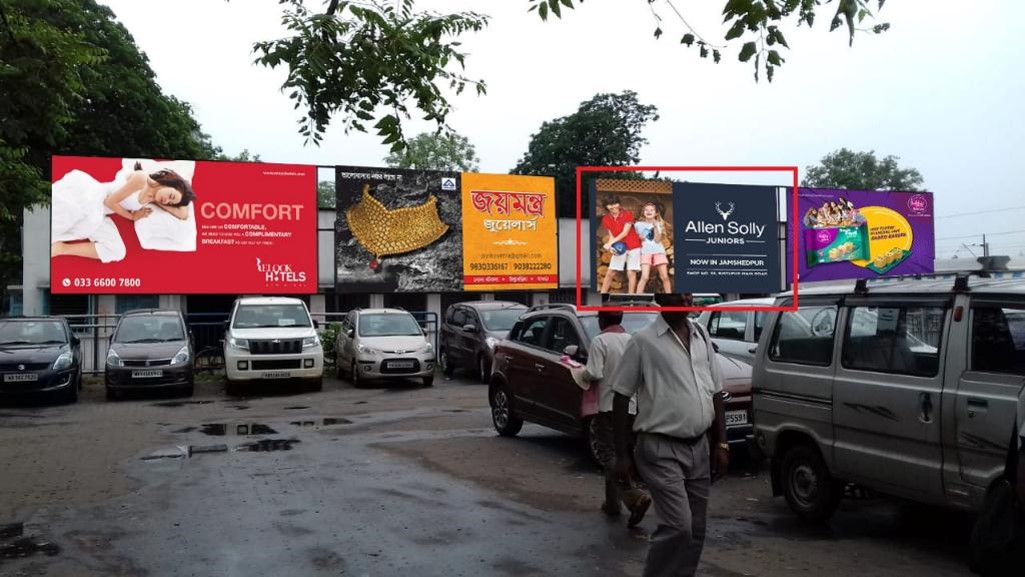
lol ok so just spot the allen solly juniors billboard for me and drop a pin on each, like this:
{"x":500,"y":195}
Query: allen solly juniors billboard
{"x":126,"y":225}
{"x":848,"y":234}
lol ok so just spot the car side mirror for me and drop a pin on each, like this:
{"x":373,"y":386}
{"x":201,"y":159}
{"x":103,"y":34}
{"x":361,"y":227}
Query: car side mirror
{"x":715,"y":346}
{"x":574,"y":352}
{"x":350,"y":333}
{"x":316,"y":324}
{"x":225,"y":326}
{"x":470,"y":328}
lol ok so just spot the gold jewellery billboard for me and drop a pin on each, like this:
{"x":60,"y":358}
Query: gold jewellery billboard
{"x":429,"y":231}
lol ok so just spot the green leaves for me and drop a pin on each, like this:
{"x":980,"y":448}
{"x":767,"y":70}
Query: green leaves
{"x":443,"y":150}
{"x":861,"y":170}
{"x":747,"y":51}
{"x":687,"y":39}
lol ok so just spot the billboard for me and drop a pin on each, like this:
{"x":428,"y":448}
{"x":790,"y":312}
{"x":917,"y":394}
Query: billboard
{"x":401,"y":230}
{"x":654,"y":236}
{"x":127,"y":225}
{"x":728,"y":239}
{"x":510,"y":232}
{"x":632,"y":222}
{"x":849,"y":234}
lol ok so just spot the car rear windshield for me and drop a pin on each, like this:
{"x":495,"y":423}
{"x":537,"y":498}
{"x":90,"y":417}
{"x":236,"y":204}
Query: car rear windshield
{"x":149,"y":329}
{"x":632,"y":322}
{"x":501,"y":319}
{"x":388,"y":325}
{"x":32,"y":333}
{"x":267,"y":316}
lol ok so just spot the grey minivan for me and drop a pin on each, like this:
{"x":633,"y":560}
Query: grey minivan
{"x":907,"y":387}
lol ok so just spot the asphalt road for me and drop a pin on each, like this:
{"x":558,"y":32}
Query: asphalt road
{"x":393,"y":480}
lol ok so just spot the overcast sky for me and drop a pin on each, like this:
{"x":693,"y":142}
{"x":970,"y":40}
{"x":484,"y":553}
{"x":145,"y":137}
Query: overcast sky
{"x":943,"y":89}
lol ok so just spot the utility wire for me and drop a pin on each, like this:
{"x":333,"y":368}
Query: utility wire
{"x":1020,"y":231}
{"x":982,"y":212}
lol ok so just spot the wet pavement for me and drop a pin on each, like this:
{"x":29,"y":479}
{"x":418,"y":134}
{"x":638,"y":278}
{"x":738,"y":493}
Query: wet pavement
{"x":395,"y":480}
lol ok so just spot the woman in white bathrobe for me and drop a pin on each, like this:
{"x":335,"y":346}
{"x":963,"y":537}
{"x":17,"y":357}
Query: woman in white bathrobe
{"x":82,"y":208}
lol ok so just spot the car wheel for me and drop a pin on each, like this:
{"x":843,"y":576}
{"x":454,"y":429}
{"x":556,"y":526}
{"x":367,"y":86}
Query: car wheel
{"x":593,"y":441}
{"x":506,"y":423}
{"x":232,"y":388}
{"x":810,"y":490}
{"x":316,"y":385}
{"x":339,"y":371}
{"x":483,"y":372}
{"x":428,"y":381}
{"x":354,"y":376}
{"x":71,"y":395}
{"x":188,"y":390}
{"x":112,"y":395}
{"x":446,"y":365}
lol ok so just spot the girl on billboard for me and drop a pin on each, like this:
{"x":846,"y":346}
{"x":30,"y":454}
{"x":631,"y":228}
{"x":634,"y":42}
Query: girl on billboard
{"x":82,"y":209}
{"x":652,"y":229}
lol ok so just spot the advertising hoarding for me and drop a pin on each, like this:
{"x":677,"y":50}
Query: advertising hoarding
{"x":126,"y":225}
{"x":728,"y":238}
{"x":850,"y":234}
{"x":403,"y":230}
{"x":510,"y":232}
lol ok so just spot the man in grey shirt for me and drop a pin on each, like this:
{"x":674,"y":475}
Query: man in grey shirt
{"x":671,"y":366}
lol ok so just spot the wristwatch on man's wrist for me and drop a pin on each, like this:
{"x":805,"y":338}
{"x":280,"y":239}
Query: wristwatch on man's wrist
{"x":725,"y":446}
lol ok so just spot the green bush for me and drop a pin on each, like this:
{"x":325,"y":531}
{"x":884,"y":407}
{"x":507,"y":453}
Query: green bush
{"x":328,"y":338}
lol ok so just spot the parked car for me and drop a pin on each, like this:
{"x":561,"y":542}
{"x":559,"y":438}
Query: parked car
{"x":272,"y":338}
{"x":905,"y":388}
{"x":376,"y":344}
{"x":736,"y":333}
{"x":530,"y":383}
{"x":40,"y":355}
{"x":736,"y":376}
{"x":150,"y":349}
{"x":471,"y":331}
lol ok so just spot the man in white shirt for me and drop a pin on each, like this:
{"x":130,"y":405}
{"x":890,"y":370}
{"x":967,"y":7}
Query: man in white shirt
{"x":671,"y":367}
{"x":603,"y":357}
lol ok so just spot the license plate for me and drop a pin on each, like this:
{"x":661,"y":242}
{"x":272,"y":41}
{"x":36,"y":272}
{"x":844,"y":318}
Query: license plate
{"x":277,"y":375}
{"x":736,"y":418}
{"x":401,"y":365}
{"x":21,"y":378}
{"x":151,"y":374}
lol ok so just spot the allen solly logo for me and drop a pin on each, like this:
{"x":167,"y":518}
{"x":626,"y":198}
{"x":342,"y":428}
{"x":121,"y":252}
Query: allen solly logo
{"x":725,"y":214}
{"x":279,"y":272}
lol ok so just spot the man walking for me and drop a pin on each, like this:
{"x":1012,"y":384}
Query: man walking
{"x":605,"y":353}
{"x":620,"y":224}
{"x":671,"y":366}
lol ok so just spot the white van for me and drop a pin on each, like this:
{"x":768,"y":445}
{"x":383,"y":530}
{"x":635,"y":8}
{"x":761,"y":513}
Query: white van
{"x":272,"y":338}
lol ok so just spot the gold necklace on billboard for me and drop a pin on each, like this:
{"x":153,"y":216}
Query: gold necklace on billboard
{"x":383,"y":231}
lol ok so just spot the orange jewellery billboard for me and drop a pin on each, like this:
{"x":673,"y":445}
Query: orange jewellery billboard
{"x":510,"y":232}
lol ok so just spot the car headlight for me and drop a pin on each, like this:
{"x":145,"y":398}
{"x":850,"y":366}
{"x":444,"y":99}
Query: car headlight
{"x":365,"y":350}
{"x":62,"y":362}
{"x":427,"y":348}
{"x":181,"y":357}
{"x":310,"y":342}
{"x":492,"y":342}
{"x":238,"y":344}
{"x":114,"y":360}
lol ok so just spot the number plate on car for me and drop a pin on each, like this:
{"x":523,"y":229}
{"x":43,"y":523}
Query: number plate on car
{"x":21,"y":378}
{"x":736,"y":418}
{"x":277,"y":375}
{"x":147,"y":374}
{"x":400,"y":365}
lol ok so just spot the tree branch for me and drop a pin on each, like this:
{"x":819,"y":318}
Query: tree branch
{"x":7,"y":24}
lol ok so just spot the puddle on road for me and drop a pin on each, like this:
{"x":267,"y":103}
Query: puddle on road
{"x":26,"y":547}
{"x":268,"y":445}
{"x":241,"y":430}
{"x":175,"y":404}
{"x":328,"y":422}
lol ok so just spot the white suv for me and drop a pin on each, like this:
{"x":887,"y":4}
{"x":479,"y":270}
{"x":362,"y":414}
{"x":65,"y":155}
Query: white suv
{"x":272,"y":338}
{"x":383,"y":344}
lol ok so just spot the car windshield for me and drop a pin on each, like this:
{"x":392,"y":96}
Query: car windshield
{"x":32,"y":333}
{"x":266,"y":316}
{"x":149,"y":329}
{"x":501,"y":319}
{"x":632,"y":322}
{"x":388,"y":325}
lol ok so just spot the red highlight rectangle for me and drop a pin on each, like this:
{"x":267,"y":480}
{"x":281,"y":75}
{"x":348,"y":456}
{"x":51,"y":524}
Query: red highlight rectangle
{"x":793,"y":230}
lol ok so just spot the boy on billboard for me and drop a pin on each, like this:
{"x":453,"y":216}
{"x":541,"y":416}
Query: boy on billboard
{"x":624,"y":244}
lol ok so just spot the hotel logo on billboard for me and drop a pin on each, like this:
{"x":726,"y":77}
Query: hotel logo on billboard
{"x":279,"y":274}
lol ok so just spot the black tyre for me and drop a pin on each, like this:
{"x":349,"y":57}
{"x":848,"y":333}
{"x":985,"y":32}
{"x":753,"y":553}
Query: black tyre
{"x":506,"y":423}
{"x":339,"y":371}
{"x":810,"y":490}
{"x":354,"y":376}
{"x":483,"y":370}
{"x":188,"y":390}
{"x":429,"y":381}
{"x":232,"y":388}
{"x":446,"y":364}
{"x":315,"y":385}
{"x":593,"y":443}
{"x":112,"y":395}
{"x":71,"y":394}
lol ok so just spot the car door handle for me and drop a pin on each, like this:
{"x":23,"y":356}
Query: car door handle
{"x":753,"y":350}
{"x":977,"y":405}
{"x":539,"y":366}
{"x":925,"y":401}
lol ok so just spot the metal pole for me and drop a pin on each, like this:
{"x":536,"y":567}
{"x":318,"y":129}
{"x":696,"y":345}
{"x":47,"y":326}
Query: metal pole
{"x":985,"y":247}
